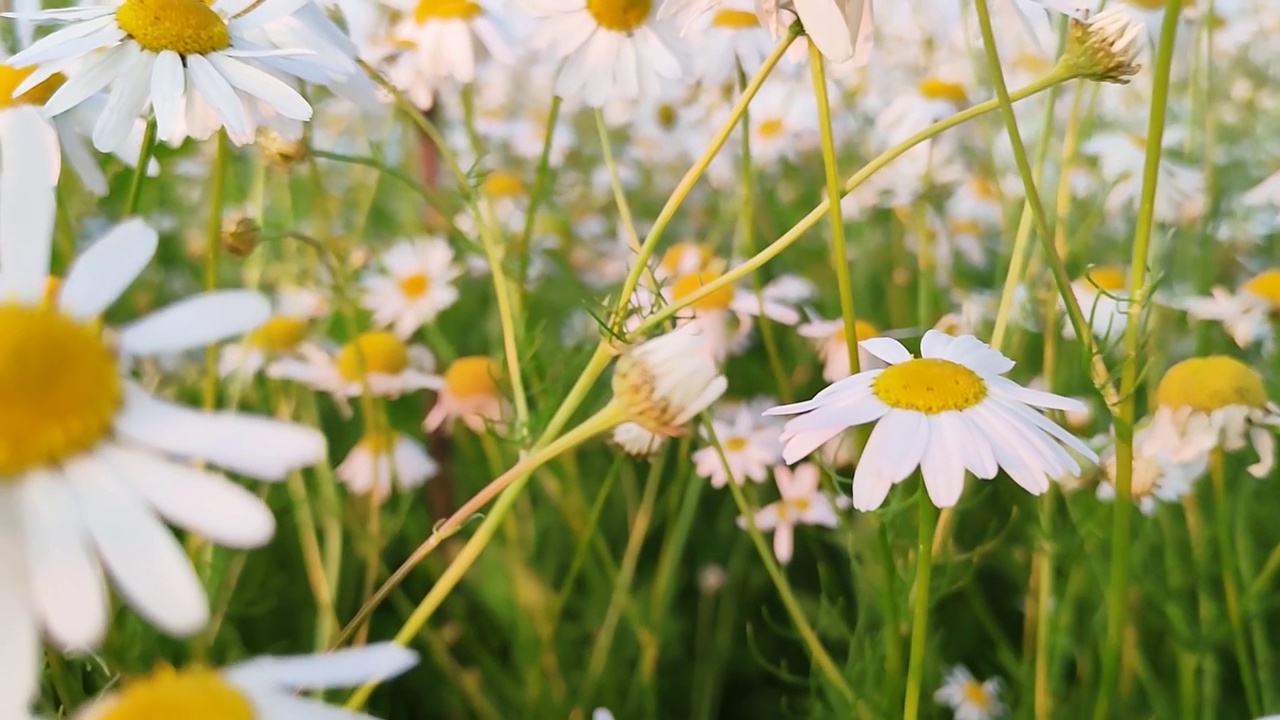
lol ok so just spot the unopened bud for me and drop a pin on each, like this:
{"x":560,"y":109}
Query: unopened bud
{"x":241,"y":236}
{"x":280,"y":152}
{"x":1105,"y":47}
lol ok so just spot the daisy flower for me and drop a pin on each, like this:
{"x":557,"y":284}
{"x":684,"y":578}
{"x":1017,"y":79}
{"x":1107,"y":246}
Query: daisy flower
{"x":664,"y":382}
{"x":833,"y":347}
{"x":189,"y":60}
{"x":1215,"y":403}
{"x":468,"y":392}
{"x":418,"y":284}
{"x":1245,"y":314}
{"x":608,"y":48}
{"x":842,"y":29}
{"x":948,"y":411}
{"x":91,"y":464}
{"x":684,"y":258}
{"x":968,"y":698}
{"x":1100,"y":294}
{"x":376,"y":359}
{"x":264,"y":688}
{"x":280,"y":336}
{"x":725,"y":317}
{"x":1180,"y":193}
{"x":1154,"y":479}
{"x":802,"y":503}
{"x":750,"y":447}
{"x":636,"y":441}
{"x":727,"y":39}
{"x":381,"y":457}
{"x":439,"y":41}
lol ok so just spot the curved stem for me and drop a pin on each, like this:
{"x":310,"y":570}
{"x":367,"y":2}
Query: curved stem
{"x":920,"y":599}
{"x":140,"y":172}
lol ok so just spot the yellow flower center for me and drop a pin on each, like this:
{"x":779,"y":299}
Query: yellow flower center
{"x":735,"y":444}
{"x":930,"y":386}
{"x":936,"y":89}
{"x":59,"y":388}
{"x":1266,"y":285}
{"x":11,"y":78}
{"x":414,"y":286}
{"x":376,"y":353}
{"x":446,"y":10}
{"x":677,"y":255}
{"x":472,"y":376}
{"x":279,"y":334}
{"x":1211,"y":383}
{"x":976,"y":695}
{"x":667,"y":118}
{"x":500,"y":184}
{"x":771,"y":129}
{"x":735,"y":20}
{"x":378,"y":443}
{"x":965,"y":227}
{"x":620,"y":15}
{"x":687,"y":285}
{"x":187,"y":27}
{"x":985,"y":188}
{"x":193,"y":694}
{"x":862,"y":330}
{"x":1109,"y":279}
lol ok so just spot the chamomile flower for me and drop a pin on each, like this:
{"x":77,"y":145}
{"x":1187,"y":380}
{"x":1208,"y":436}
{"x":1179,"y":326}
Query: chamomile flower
{"x":946,"y":412}
{"x":280,"y":336}
{"x":684,"y":258}
{"x":750,"y":448}
{"x":833,"y":347}
{"x":190,"y":61}
{"x":636,"y":441}
{"x":1155,"y":478}
{"x":382,"y":457}
{"x":968,"y":698}
{"x":264,"y":688}
{"x":802,"y":503}
{"x":664,"y":382}
{"x":1100,"y":293}
{"x":376,"y":359}
{"x":91,"y":464}
{"x":416,"y":287}
{"x":1180,"y":193}
{"x":1245,"y":314}
{"x":609,"y":48}
{"x":440,"y":41}
{"x":725,"y":317}
{"x":728,"y":38}
{"x":842,"y":29}
{"x":469,"y":392}
{"x":1215,"y":403}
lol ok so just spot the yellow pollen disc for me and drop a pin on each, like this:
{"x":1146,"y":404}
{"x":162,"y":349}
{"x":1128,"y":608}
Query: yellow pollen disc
{"x":800,"y":505}
{"x":687,"y":285}
{"x":414,"y":286}
{"x":472,"y":376}
{"x":377,"y":353}
{"x":862,"y":329}
{"x":623,"y":16}
{"x":187,"y":27}
{"x":735,"y":20}
{"x":935,"y":89}
{"x":279,"y":334}
{"x":378,"y":443}
{"x":60,"y":387}
{"x":930,"y":386}
{"x":1211,"y":383}
{"x":985,"y":188}
{"x":771,"y":129}
{"x":11,"y":78}
{"x":193,"y":694}
{"x":52,"y":287}
{"x":735,"y":444}
{"x":1266,"y":285}
{"x":975,"y":695}
{"x":667,"y":116}
{"x":500,"y":184}
{"x":676,"y":255}
{"x":446,"y":10}
{"x":1109,"y":279}
{"x":965,"y":227}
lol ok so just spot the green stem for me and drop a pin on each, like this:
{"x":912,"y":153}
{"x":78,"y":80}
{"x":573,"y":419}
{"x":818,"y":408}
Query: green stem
{"x":1230,"y":582}
{"x":920,"y":599}
{"x":541,"y":185}
{"x":1118,"y":585}
{"x":213,"y":251}
{"x":843,"y":285}
{"x":140,"y":172}
{"x":375,"y":164}
{"x":615,"y":182}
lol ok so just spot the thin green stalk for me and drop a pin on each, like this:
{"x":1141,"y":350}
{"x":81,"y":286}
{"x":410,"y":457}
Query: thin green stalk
{"x":140,"y":172}
{"x":892,"y":620}
{"x":1230,"y":582}
{"x":541,"y":186}
{"x":615,"y":182}
{"x":1118,"y":585}
{"x":1043,"y":567}
{"x":378,"y":165}
{"x":213,"y":251}
{"x":920,"y":609}
{"x":843,"y":285}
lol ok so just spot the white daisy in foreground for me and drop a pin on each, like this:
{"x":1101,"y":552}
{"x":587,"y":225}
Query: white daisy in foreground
{"x":946,"y":412}
{"x":91,"y":464}
{"x":469,"y":392}
{"x":1214,"y":403}
{"x":187,"y":59}
{"x":381,"y":457}
{"x":280,"y":336}
{"x":377,"y":360}
{"x":968,"y":698}
{"x":418,"y":284}
{"x":1245,"y":314}
{"x":802,"y":503}
{"x":264,"y":688}
{"x":612,"y":49}
{"x":750,"y":448}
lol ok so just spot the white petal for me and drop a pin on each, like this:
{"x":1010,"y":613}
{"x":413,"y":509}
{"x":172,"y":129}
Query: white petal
{"x":941,"y":466}
{"x":338,"y":669}
{"x":148,"y":565}
{"x":20,"y":662}
{"x":887,"y":349}
{"x":219,"y":94}
{"x":207,"y":504}
{"x":870,"y":484}
{"x":264,"y":86}
{"x":195,"y":322}
{"x":106,"y":268}
{"x":129,"y":97}
{"x":827,"y":27}
{"x":257,"y":447}
{"x":168,"y":85}
{"x":26,"y":202}
{"x":784,"y":542}
{"x":66,"y":581}
{"x":276,"y":705}
{"x":934,"y":344}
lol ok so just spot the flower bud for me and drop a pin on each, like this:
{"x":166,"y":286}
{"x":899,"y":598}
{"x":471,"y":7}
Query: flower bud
{"x":280,"y":152}
{"x":241,"y":236}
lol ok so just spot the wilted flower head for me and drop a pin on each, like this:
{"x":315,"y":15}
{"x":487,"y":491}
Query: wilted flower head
{"x":1105,"y":47}
{"x":663,"y":383}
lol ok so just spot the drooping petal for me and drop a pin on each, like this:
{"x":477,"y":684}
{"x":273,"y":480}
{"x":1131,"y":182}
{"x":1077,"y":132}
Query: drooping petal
{"x":196,"y":322}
